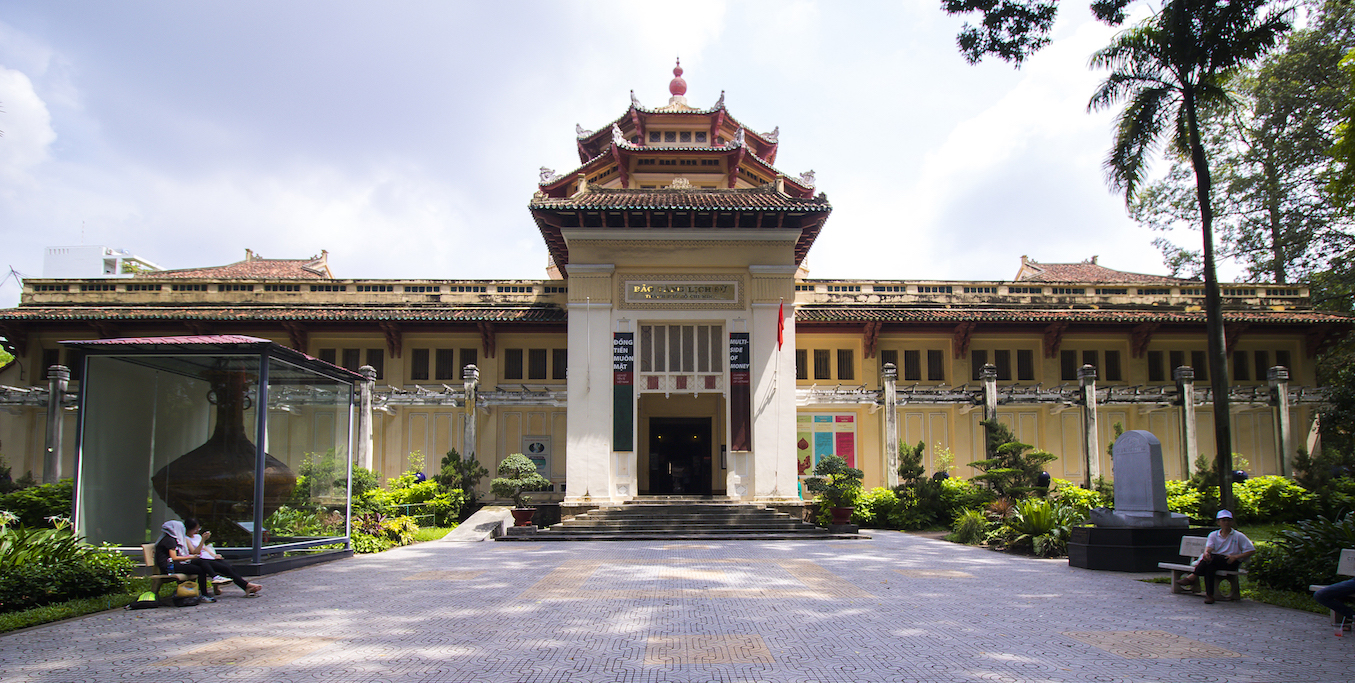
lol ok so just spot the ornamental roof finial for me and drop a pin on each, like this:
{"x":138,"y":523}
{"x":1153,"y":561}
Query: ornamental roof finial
{"x":677,"y":87}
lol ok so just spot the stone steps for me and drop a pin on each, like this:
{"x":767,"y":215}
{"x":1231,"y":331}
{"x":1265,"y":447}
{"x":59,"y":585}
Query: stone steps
{"x":680,"y":518}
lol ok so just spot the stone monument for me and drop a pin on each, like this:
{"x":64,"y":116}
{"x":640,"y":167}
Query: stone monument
{"x":1140,"y":531}
{"x":1140,"y":485}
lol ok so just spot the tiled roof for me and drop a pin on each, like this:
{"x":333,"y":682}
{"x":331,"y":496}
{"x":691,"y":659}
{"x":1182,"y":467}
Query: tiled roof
{"x":765,"y":197}
{"x":253,"y":268}
{"x":1086,"y":272}
{"x":524,"y":314}
{"x":190,"y":340}
{"x":883,"y":314}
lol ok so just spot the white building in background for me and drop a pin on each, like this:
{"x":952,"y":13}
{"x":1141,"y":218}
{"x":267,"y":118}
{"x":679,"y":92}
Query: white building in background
{"x":93,"y":261}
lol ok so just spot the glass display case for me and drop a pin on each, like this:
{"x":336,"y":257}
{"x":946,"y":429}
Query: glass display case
{"x":250,"y":438}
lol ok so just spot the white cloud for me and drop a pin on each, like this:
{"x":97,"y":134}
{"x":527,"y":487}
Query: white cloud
{"x":28,"y":132}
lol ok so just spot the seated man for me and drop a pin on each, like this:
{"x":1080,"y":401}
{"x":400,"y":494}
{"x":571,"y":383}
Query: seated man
{"x":1225,"y":549}
{"x":1333,"y":598}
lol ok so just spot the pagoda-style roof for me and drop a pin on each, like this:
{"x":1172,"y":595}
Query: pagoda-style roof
{"x":635,"y":123}
{"x":255,"y":267}
{"x":767,"y":207}
{"x":1088,"y":271}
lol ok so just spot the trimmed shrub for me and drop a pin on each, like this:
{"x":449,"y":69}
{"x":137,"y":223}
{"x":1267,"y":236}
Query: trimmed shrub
{"x":1071,"y":495}
{"x":1273,"y":499}
{"x":875,"y":508}
{"x":35,"y":504}
{"x":960,"y":494}
{"x":1184,"y":498}
{"x":366,"y":543}
{"x":970,"y":527}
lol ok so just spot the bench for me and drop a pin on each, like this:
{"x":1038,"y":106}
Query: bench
{"x":1344,"y":567}
{"x":1193,"y":547}
{"x":158,"y":580}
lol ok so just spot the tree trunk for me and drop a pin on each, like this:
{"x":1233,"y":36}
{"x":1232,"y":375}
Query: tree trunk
{"x":1272,"y":200}
{"x":1213,"y":304}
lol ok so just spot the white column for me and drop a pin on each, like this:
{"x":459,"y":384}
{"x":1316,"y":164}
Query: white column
{"x":588,"y":423}
{"x":58,"y":378}
{"x":470,"y":382}
{"x":1190,"y":443}
{"x":1279,"y":386}
{"x":365,"y":415}
{"x":1091,"y":441}
{"x":889,"y":379}
{"x":773,"y":459}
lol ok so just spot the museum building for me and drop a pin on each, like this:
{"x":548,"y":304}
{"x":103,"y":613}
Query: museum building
{"x":679,"y":346}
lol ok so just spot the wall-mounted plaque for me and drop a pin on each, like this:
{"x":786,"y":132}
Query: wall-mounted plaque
{"x":681,"y":292}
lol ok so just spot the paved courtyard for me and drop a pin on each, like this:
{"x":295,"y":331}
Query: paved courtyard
{"x":897,"y":608}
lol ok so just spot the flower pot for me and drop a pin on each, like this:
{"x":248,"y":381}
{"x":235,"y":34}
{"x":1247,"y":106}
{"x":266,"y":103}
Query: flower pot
{"x":523,"y":516}
{"x":842,"y":515}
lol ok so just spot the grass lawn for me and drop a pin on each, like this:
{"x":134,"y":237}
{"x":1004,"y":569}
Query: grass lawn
{"x":72,"y":608}
{"x":431,"y":533}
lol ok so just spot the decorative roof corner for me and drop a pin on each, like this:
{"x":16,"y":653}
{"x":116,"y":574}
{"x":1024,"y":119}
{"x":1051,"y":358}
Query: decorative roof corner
{"x":634,"y":102}
{"x":738,"y":140}
{"x":581,"y":133}
{"x":548,"y":176}
{"x":772,"y":136}
{"x":807,"y":178}
{"x":720,"y":103}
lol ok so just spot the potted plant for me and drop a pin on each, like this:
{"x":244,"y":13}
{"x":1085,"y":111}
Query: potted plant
{"x":837,"y":485}
{"x":517,"y":475}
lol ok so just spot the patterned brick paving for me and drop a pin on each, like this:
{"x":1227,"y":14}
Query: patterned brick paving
{"x":899,"y":608}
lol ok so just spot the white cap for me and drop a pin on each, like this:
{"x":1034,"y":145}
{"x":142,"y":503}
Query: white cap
{"x":1223,"y":514}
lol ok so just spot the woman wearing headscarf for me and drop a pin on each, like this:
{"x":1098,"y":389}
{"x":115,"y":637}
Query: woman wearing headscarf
{"x":172,"y":556}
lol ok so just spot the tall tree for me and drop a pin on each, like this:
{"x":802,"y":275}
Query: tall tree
{"x":1013,"y":30}
{"x":1166,"y":70}
{"x":1269,"y":161}
{"x":1342,"y":186}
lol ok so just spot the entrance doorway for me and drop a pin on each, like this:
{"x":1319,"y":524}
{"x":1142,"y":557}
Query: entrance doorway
{"x":679,"y":456}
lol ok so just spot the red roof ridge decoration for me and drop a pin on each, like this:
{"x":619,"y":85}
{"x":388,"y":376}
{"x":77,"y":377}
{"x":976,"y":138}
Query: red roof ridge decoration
{"x":1087,"y":272}
{"x":254,"y":267}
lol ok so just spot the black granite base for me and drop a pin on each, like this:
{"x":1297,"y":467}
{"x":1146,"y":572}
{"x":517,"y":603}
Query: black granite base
{"x":1128,"y":549}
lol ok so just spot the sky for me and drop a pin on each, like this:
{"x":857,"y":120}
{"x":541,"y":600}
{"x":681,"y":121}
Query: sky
{"x":406,"y":138}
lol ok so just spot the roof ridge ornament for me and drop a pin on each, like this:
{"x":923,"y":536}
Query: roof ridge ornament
{"x":677,"y":87}
{"x":580,"y":132}
{"x":680,"y":183}
{"x":774,"y":135}
{"x":720,"y":103}
{"x":738,"y":138}
{"x":548,"y":175}
{"x":635,"y":102}
{"x":807,"y":178}
{"x":617,"y":138}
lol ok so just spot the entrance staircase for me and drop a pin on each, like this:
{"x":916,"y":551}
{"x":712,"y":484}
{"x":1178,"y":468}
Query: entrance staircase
{"x":682,"y":518}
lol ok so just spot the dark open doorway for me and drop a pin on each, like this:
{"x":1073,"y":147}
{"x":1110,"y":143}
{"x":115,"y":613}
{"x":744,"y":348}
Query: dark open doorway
{"x":679,"y":456}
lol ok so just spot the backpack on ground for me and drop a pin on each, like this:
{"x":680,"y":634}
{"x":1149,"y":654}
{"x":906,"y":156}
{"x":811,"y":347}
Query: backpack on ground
{"x":146,"y":600}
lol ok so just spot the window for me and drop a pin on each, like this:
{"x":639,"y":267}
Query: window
{"x":98,"y":288}
{"x":1192,"y":291}
{"x":936,"y":368}
{"x":418,"y":364}
{"x":1262,"y":364}
{"x":801,"y":364}
{"x":670,"y":136}
{"x":1241,"y":371}
{"x":75,"y":360}
{"x":352,"y":359}
{"x":234,"y":288}
{"x":654,"y":136}
{"x":708,"y":162}
{"x":444,"y":365}
{"x":804,"y":288}
{"x":1068,"y":365}
{"x":1002,"y":359}
{"x":512,"y":364}
{"x":282,"y":288}
{"x":1201,"y":365}
{"x":1108,"y":291}
{"x":701,"y":137}
{"x":1282,"y":360}
{"x":844,"y":288}
{"x":1155,"y":373}
{"x":329,"y":288}
{"x":1239,"y":292}
{"x":681,"y":348}
{"x":549,"y":289}
{"x":846,"y":369}
{"x":377,"y":359}
{"x":559,"y":363}
{"x":471,"y":289}
{"x":50,"y":357}
{"x":1112,"y":367}
{"x":980,"y":290}
{"x":1025,"y":364}
{"x":469,"y":356}
{"x":934,"y":289}
{"x":897,"y":289}
{"x":977,"y":359}
{"x":422,"y":288}
{"x":188,"y":288}
{"x":912,"y":365}
{"x":1089,"y":358}
{"x":823,"y":364}
{"x":132,"y":287}
{"x":1154,"y":291}
{"x":1282,"y":292}
{"x":374,"y":288}
{"x":1067,"y":290}
{"x":51,"y":288}
{"x":514,"y":289}
{"x":685,"y":136}
{"x":1025,"y":290}
{"x":1178,"y":359}
{"x":536,"y":363}
{"x":330,"y":356}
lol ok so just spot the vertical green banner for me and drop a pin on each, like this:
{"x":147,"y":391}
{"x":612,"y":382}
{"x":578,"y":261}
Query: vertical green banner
{"x":623,"y":391}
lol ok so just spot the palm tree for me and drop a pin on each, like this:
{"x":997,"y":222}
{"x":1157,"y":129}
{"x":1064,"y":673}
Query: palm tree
{"x":1167,"y":70}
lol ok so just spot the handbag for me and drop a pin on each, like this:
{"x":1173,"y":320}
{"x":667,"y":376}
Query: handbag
{"x":187,"y":589}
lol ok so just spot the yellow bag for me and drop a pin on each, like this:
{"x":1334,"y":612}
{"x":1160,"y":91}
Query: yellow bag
{"x":187,"y":589}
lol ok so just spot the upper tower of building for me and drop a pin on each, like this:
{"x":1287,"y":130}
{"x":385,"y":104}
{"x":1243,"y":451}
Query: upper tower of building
{"x":676,"y":166}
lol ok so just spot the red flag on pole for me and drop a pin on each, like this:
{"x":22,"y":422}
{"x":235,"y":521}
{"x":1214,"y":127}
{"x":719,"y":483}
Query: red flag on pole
{"x":780,"y":324}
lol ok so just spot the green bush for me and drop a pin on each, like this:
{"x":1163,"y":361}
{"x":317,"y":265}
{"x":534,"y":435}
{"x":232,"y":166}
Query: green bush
{"x":1011,"y":468}
{"x":970,"y":527}
{"x":1043,"y":525}
{"x":920,"y":505}
{"x":1304,"y":555}
{"x":35,"y":504}
{"x":1071,"y":495}
{"x":44,"y":566}
{"x":834,"y":483}
{"x":517,"y":475}
{"x":464,"y":474}
{"x":874,"y":508}
{"x":367,"y":543}
{"x":1184,"y":498}
{"x":961,"y":494}
{"x":1272,"y":499}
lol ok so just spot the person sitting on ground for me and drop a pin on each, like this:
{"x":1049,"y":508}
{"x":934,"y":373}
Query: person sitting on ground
{"x":1224,"y":550}
{"x":172,"y":555}
{"x":1333,"y":598}
{"x":212,"y":563}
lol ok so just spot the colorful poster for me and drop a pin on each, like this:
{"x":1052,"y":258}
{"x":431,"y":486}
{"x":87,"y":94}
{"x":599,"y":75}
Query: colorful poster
{"x":818,"y":435}
{"x":623,"y":391}
{"x":740,"y":393}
